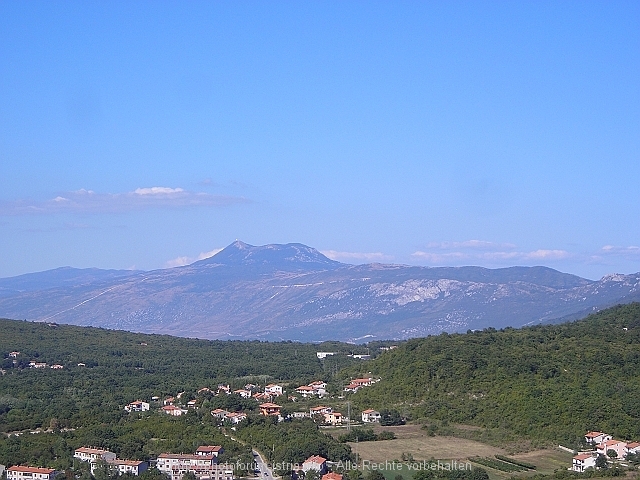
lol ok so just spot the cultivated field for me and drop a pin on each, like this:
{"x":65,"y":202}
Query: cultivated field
{"x":411,"y":439}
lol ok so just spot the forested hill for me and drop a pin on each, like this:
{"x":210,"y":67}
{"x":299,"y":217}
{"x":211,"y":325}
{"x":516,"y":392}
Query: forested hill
{"x":106,"y":369}
{"x":549,"y":383}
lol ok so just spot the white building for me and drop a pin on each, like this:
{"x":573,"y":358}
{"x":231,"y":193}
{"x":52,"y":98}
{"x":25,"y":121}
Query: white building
{"x":173,"y":410}
{"x":137,"y":406}
{"x":274,"y":389}
{"x":132,"y":467}
{"x":87,"y":454}
{"x":583,"y":461}
{"x":315,"y":462}
{"x":19,"y":472}
{"x":202,"y":466}
{"x":370,"y":416}
{"x":322,"y":355}
{"x":597,"y":437}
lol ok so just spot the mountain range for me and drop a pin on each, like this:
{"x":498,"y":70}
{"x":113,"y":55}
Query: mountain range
{"x":293,"y":292}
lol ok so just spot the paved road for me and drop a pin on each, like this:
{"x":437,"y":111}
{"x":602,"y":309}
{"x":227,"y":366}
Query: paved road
{"x":265,"y":471}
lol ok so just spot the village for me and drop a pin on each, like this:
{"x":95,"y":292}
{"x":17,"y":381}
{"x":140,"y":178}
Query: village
{"x":605,"y":449}
{"x":203,"y":463}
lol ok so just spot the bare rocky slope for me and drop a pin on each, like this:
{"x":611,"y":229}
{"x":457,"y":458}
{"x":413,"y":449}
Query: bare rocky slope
{"x":294,"y":292}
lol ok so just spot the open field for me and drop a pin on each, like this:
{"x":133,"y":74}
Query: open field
{"x":411,"y":439}
{"x":415,"y":441}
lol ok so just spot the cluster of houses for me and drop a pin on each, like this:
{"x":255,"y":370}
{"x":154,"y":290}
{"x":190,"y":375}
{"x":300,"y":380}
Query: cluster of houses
{"x":604,"y":445}
{"x":34,"y":363}
{"x":203,"y":463}
{"x":314,"y":389}
{"x":358,"y":383}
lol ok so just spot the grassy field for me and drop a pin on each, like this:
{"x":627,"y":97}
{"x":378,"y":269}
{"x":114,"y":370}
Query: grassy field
{"x":414,"y":441}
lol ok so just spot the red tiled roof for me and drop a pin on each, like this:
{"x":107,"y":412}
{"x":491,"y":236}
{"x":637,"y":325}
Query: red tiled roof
{"x":316,"y":459}
{"x":332,"y":476}
{"x":24,"y":469}
{"x":582,"y":456}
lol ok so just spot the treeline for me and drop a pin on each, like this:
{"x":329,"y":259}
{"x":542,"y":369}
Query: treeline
{"x":546,"y":383}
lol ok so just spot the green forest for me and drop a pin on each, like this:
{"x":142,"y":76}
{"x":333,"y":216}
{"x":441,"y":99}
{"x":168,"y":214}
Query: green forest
{"x":550,"y":383}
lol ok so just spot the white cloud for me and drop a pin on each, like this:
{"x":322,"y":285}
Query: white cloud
{"x":357,"y":256}
{"x":88,"y":201}
{"x":157,"y":191}
{"x":185,"y":260}
{"x":615,"y":250}
{"x":458,"y":257}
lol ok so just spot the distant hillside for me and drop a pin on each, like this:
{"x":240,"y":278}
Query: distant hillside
{"x":549,"y":383}
{"x":104,"y":370}
{"x":293,"y":292}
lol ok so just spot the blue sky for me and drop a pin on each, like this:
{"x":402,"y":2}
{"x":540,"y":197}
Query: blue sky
{"x":150,"y":134}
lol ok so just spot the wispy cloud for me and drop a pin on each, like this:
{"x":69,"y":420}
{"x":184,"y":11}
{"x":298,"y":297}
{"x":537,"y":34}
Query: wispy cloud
{"x":88,"y":201}
{"x":483,"y":252}
{"x":470,"y":244}
{"x":357,"y":256}
{"x":182,"y":261}
{"x":623,"y":251}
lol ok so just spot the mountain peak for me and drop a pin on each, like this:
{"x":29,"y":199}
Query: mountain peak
{"x":290,"y":256}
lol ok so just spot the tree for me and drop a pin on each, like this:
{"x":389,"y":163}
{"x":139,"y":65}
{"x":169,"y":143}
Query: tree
{"x":374,"y":475}
{"x":390,"y":417}
{"x":189,"y":476}
{"x":611,"y":453}
{"x":601,"y":461}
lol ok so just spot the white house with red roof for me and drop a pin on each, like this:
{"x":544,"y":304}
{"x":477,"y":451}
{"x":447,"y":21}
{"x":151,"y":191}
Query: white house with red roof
{"x":173,"y":410}
{"x":370,"y":416}
{"x":320,"y":410}
{"x":236,"y":417}
{"x":334,"y":418}
{"x":583,"y":461}
{"x":597,"y":437}
{"x":274,"y":389}
{"x":305,"y":391}
{"x":315,"y":462}
{"x":616,"y":445}
{"x":633,"y":448}
{"x":20,"y":472}
{"x":88,"y":454}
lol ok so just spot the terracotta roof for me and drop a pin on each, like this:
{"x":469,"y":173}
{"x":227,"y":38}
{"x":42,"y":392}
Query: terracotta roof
{"x":370,"y":410}
{"x":209,"y":448}
{"x":24,"y":469}
{"x":332,"y":476}
{"x":582,"y":456}
{"x":594,"y":434}
{"x":97,"y":451}
{"x":269,"y":405}
{"x":132,"y":463}
{"x":316,"y":459}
